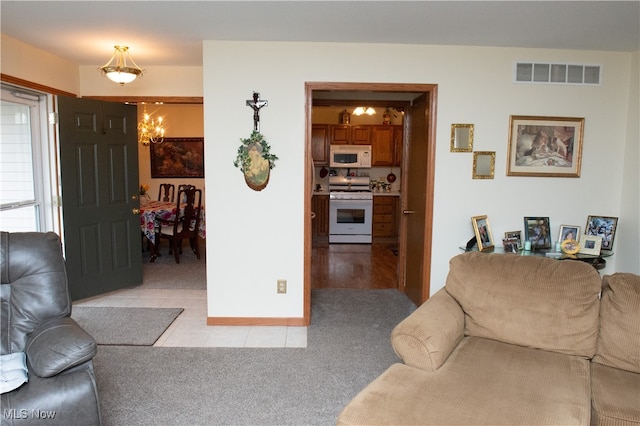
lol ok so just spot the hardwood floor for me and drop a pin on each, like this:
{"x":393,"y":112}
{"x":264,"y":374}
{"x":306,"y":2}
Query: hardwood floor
{"x":360,"y":266}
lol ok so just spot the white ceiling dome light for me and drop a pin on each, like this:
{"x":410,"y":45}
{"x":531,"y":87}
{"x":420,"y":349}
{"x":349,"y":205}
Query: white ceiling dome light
{"x":121,"y":68}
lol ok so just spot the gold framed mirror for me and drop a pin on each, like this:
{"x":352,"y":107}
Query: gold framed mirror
{"x":461,"y":137}
{"x":484,"y":164}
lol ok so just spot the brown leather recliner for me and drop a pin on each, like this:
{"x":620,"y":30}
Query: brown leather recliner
{"x":36,"y":309}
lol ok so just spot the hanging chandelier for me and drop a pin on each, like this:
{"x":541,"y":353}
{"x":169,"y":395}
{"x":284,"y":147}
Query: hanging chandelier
{"x":150,"y":130}
{"x":118,"y":70}
{"x":364,"y":110}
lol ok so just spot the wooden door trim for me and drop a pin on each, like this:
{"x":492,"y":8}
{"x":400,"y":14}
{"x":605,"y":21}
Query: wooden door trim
{"x":428,"y":90}
{"x":5,"y":78}
{"x":198,"y":100}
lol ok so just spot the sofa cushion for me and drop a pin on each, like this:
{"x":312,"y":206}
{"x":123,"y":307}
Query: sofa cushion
{"x":530,"y":301}
{"x":615,"y":396}
{"x":619,"y":338}
{"x":484,"y":382}
{"x":426,"y":338}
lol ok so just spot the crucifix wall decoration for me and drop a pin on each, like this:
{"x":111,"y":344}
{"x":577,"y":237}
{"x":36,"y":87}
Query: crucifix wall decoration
{"x":254,"y":157}
{"x":256,"y":104}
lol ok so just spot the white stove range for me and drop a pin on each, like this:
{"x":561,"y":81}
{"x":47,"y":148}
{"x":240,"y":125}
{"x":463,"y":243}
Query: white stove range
{"x":350,"y":209}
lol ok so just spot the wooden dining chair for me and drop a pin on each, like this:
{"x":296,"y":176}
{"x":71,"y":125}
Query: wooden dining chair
{"x":167,"y":192}
{"x":186,"y":224}
{"x":185,"y":186}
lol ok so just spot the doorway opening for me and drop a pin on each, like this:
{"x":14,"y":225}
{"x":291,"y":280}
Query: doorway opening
{"x":415,"y":206}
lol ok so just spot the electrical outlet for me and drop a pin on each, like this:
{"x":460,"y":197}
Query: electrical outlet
{"x":282,"y":286}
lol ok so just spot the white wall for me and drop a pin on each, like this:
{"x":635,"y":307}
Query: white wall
{"x":628,"y":259}
{"x":24,"y":61}
{"x":256,"y":238}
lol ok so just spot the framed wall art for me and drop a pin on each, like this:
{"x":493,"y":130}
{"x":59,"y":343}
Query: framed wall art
{"x":544,"y":146}
{"x":177,"y":158}
{"x":482,"y":231}
{"x":537,"y":232}
{"x":461,"y":138}
{"x":484,"y":164}
{"x":602,"y":226}
{"x":591,"y":244}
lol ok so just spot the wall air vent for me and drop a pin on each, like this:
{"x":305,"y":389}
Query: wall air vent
{"x":549,"y":73}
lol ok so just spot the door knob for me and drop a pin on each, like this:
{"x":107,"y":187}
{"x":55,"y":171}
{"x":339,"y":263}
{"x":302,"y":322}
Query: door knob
{"x":135,"y":211}
{"x":408,"y":211}
{"x":134,"y":197}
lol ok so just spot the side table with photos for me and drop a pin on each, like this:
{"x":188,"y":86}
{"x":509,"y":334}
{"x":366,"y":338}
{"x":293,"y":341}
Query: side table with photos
{"x":597,"y":261}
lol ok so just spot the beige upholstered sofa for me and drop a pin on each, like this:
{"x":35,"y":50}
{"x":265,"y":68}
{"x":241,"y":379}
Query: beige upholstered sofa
{"x":514,"y":340}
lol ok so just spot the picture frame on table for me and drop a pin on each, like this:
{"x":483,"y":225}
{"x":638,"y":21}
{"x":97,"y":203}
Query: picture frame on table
{"x":517,"y":235}
{"x":591,"y":244}
{"x":603,"y":226}
{"x":537,"y":231}
{"x":482,"y":231}
{"x":510,"y":245}
{"x":569,"y":232}
{"x":545,"y":146}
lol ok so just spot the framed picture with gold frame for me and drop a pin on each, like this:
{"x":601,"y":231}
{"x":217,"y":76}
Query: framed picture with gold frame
{"x":569,"y":232}
{"x":482,"y":230}
{"x":462,"y":137}
{"x":484,"y":164}
{"x":545,"y":146}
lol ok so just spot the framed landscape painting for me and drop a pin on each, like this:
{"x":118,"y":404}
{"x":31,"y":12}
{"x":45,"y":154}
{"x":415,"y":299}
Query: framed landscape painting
{"x":544,"y":146}
{"x":177,"y":158}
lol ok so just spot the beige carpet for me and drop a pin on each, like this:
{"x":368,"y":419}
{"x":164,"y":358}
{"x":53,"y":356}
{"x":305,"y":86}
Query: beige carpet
{"x":165,"y":273}
{"x":125,"y":326}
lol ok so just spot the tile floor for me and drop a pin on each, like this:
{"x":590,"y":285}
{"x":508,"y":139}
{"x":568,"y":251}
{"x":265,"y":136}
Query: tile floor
{"x":334,"y":266}
{"x":190,"y":329}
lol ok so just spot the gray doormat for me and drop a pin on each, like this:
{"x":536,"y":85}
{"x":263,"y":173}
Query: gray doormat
{"x":125,"y":326}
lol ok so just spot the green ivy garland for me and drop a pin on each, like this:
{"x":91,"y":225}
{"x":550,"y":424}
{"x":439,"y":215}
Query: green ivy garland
{"x":243,"y":161}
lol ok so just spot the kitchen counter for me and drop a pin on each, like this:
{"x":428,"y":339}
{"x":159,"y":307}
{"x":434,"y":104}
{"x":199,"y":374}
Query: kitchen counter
{"x":386,"y":194}
{"x":375,"y":194}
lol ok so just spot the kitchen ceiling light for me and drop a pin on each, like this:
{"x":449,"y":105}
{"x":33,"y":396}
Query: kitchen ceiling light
{"x":364,"y":110}
{"x":117,"y":69}
{"x":150,"y":130}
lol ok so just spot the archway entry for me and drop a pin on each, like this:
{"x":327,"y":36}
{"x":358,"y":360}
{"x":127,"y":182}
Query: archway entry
{"x":417,"y":182}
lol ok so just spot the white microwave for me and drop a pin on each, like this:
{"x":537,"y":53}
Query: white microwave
{"x":353,"y":156}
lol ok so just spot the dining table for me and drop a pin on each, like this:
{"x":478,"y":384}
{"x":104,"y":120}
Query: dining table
{"x":151,"y":212}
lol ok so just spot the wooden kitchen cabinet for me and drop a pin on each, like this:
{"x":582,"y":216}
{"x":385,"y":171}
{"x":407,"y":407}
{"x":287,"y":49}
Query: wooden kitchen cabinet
{"x":340,"y":134}
{"x":320,"y":144}
{"x":320,"y":224}
{"x":361,"y":135}
{"x":385,"y":217}
{"x":386,"y":145}
{"x":345,"y":134}
{"x":383,"y":150}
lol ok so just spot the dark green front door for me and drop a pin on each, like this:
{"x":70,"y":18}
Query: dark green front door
{"x":100,"y":195}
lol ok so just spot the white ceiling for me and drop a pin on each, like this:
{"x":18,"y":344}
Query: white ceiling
{"x":171,"y":32}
